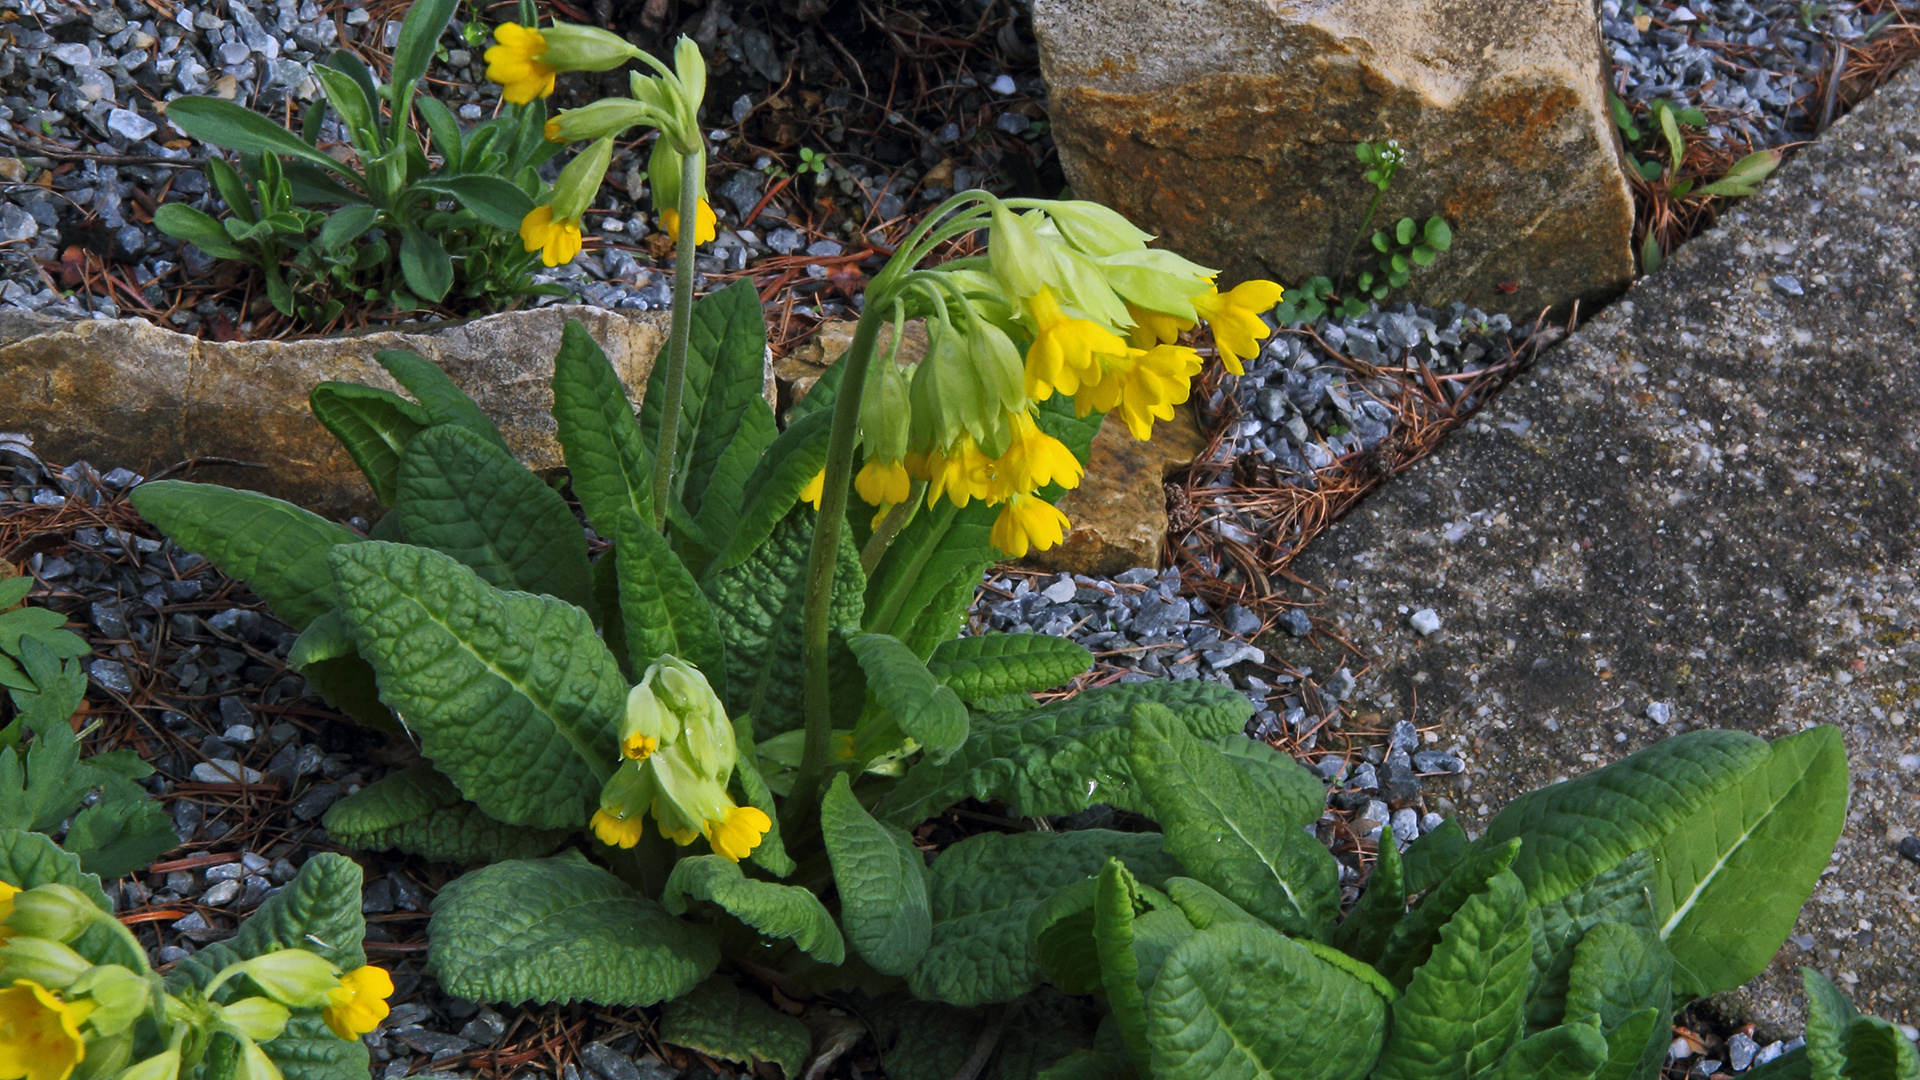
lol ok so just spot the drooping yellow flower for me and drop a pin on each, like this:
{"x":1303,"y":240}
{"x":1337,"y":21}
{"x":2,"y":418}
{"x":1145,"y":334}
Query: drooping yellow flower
{"x":1064,"y":348}
{"x":1152,"y":328}
{"x":7,"y":893}
{"x":556,"y":239}
{"x":881,"y":483}
{"x":1234,"y":318}
{"x":961,"y":472}
{"x":735,"y":837}
{"x":1033,"y":459}
{"x":704,"y":227}
{"x":360,"y":1002}
{"x":639,"y":747}
{"x":1145,"y":386}
{"x":616,"y":831}
{"x":39,"y":1033}
{"x":816,"y":489}
{"x":515,"y":64}
{"x":1028,"y":521}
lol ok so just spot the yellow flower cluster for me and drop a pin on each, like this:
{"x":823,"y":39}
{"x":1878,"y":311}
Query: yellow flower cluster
{"x":678,"y":752}
{"x":60,"y":1012}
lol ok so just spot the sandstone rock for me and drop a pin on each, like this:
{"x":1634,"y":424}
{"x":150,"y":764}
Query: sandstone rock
{"x":795,"y":373}
{"x":1119,"y":511}
{"x":135,"y":394}
{"x":1228,"y":127}
{"x":1698,"y":512}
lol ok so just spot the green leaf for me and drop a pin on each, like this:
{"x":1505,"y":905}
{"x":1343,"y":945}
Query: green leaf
{"x":40,"y":786}
{"x":353,"y":105}
{"x":771,"y":492}
{"x":31,"y":859}
{"x":1620,"y":976}
{"x":1651,"y":255}
{"x":235,"y":127}
{"x":941,"y":549}
{"x":1403,"y":230}
{"x":882,"y":881}
{"x":561,"y":929}
{"x":1616,"y":897}
{"x":771,"y":853}
{"x":1433,"y":855}
{"x":418,"y":811}
{"x":991,"y":665}
{"x":1204,"y":906}
{"x":1793,"y":1065}
{"x":778,"y":911}
{"x":1302,"y":795}
{"x":1060,"y":758}
{"x":276,"y":548}
{"x":1239,"y":1002}
{"x":1830,"y":1017}
{"x":14,"y":589}
{"x":1670,"y":127}
{"x":467,"y":498}
{"x":121,"y":833}
{"x":925,"y":1040}
{"x":425,"y":264}
{"x":1114,"y":906}
{"x":318,"y":911}
{"x":444,"y":131}
{"x":1230,"y":831}
{"x":1877,"y":1050}
{"x":374,"y":425}
{"x":445,"y":402}
{"x":661,"y":606}
{"x":1462,"y":1009}
{"x":1364,"y":933}
{"x":419,"y":36}
{"x":1060,"y":937}
{"x":1437,"y":233}
{"x":609,"y":461}
{"x":984,"y":889}
{"x":1651,"y":170}
{"x":926,"y":711}
{"x":1568,"y":1052}
{"x":1730,"y":880}
{"x":326,"y":654}
{"x":512,"y":696}
{"x":492,"y":199}
{"x":725,"y":375}
{"x":721,"y":1021}
{"x":1415,"y":937}
{"x":183,"y":222}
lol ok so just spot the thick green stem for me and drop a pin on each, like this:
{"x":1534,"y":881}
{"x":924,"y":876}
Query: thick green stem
{"x":828,"y":524}
{"x":682,"y":332}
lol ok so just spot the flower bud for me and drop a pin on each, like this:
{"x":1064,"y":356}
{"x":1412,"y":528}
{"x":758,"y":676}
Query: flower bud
{"x":691,"y":69}
{"x":579,"y":182}
{"x":119,"y":996}
{"x":162,"y":1066}
{"x":1095,"y":229}
{"x":608,"y":117}
{"x":107,"y":1056}
{"x":262,"y":1019}
{"x":1019,"y":257}
{"x":1156,"y":280}
{"x":53,"y":911}
{"x":706,"y":733}
{"x":48,"y":963}
{"x":663,"y":176}
{"x":254,"y":1064}
{"x":293,"y":977}
{"x":885,"y":411}
{"x":585,"y":48}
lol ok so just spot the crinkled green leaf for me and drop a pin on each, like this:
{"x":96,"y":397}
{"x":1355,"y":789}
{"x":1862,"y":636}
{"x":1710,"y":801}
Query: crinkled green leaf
{"x":1239,"y":1002}
{"x":309,"y":1050}
{"x":420,"y":812}
{"x":1303,"y":796}
{"x":983,"y":890}
{"x":926,"y":1040}
{"x":561,"y":929}
{"x":1433,"y":855}
{"x":512,"y":696}
{"x":1462,"y":1010}
{"x":326,"y":655}
{"x":778,"y":911}
{"x":992,"y":665}
{"x":276,"y":548}
{"x":770,"y":854}
{"x":1364,"y":932}
{"x":931,"y":566}
{"x":945,"y":611}
{"x":722,"y":1021}
{"x":1618,"y":896}
{"x":773,"y":489}
{"x":444,"y":402}
{"x":1115,"y":905}
{"x":318,"y":911}
{"x":1567,"y":1052}
{"x":1730,"y":880}
{"x":882,"y":880}
{"x":1230,"y":831}
{"x":460,"y":495}
{"x":1621,"y":982}
{"x":609,"y":462}
{"x":662,"y":608}
{"x":1064,"y":757}
{"x":927,"y":711}
{"x":374,"y":426}
{"x":1830,"y":1016}
{"x":1204,"y":906}
{"x":1877,"y":1050}
{"x":1416,"y":935}
{"x":727,"y":342}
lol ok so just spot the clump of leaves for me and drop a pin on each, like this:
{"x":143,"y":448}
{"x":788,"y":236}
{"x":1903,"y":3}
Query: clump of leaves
{"x":1396,"y":251}
{"x":391,"y":227}
{"x":1645,"y":154}
{"x":110,"y":822}
{"x":1407,"y":245}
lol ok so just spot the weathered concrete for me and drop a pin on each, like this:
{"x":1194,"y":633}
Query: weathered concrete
{"x":1707,"y":500}
{"x":1228,"y":128}
{"x":145,"y":397}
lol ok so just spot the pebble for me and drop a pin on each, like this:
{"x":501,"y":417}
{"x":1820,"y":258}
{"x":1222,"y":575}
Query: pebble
{"x":1909,"y":849}
{"x":1425,"y":622}
{"x":1659,"y":711}
{"x":1741,"y":1050}
{"x":226,"y":771}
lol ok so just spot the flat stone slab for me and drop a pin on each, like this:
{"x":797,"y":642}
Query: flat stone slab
{"x":1703,"y":510}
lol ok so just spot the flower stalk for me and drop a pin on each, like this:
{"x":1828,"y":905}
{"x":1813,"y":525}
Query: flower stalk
{"x":680,"y":334}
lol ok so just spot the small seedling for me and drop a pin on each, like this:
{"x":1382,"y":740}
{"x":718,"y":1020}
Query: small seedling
{"x":813,"y":161}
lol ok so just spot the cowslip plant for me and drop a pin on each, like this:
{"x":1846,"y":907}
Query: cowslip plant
{"x":286,"y":998}
{"x":115,"y":828}
{"x":391,"y":225}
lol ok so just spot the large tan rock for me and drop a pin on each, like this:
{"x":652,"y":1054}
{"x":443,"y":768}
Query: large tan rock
{"x":1228,"y":128}
{"x":126,"y":392}
{"x":1119,"y":511}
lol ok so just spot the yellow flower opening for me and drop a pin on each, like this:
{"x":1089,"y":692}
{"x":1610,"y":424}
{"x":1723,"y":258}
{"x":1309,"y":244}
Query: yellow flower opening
{"x":557,"y":240}
{"x":1033,"y":459}
{"x":883,"y":483}
{"x":735,"y":837}
{"x":616,"y":831}
{"x":815,"y":489}
{"x":360,"y":1002}
{"x":1145,"y":386}
{"x":1152,"y":328}
{"x":1234,"y":318}
{"x":7,"y":893}
{"x":704,"y":227}
{"x":515,"y":64}
{"x":39,"y":1033}
{"x":961,"y":472}
{"x":639,"y":747}
{"x":552,"y":131}
{"x":1064,"y":349}
{"x":1028,"y":521}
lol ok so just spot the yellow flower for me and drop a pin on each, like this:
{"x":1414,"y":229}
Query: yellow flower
{"x":816,"y":488}
{"x":1152,"y":328}
{"x":704,"y":223}
{"x":735,"y":837}
{"x":639,"y":747}
{"x":883,"y":482}
{"x":552,"y":131}
{"x":1033,"y":459}
{"x":1064,"y":349}
{"x":1144,"y":387}
{"x":962,"y":473}
{"x":39,"y":1033}
{"x":7,"y":893}
{"x":1028,"y":520}
{"x":360,"y":1003}
{"x":515,"y":64}
{"x":615,"y":831}
{"x":557,"y":240}
{"x":1234,"y":318}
